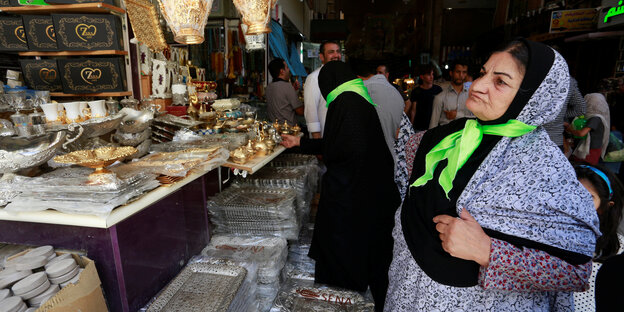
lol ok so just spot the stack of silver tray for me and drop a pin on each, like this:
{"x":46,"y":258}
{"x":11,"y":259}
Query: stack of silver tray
{"x":203,"y":287}
{"x":269,"y":253}
{"x":67,"y":190}
{"x":291,"y":178}
{"x":255,"y":211}
{"x":306,"y":162}
{"x":299,"y":264}
{"x":304,"y":295}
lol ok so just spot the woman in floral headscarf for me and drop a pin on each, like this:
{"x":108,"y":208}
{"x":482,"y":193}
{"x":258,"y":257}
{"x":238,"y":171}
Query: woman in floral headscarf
{"x":493,"y":217}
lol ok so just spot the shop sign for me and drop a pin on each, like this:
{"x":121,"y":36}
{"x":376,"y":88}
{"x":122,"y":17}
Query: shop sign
{"x":573,"y":20}
{"x":612,"y":13}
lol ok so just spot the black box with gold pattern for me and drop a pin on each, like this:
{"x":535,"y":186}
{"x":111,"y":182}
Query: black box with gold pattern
{"x":92,"y":75}
{"x":5,"y":3}
{"x":87,"y":32}
{"x":42,"y":74}
{"x":40,"y":32}
{"x":12,"y":34}
{"x":111,"y":2}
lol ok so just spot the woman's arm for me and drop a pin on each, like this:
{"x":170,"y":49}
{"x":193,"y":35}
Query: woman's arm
{"x":525,"y":269}
{"x":308,"y":146}
{"x":505,"y":266}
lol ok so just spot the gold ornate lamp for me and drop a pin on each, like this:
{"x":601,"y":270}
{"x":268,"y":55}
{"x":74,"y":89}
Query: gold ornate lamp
{"x":256,"y":14}
{"x":186,"y":18}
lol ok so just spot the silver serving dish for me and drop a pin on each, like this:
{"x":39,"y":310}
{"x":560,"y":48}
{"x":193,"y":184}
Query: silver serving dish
{"x":93,"y":127}
{"x":135,"y":121}
{"x":6,"y":128}
{"x":132,"y":139}
{"x":20,"y":153}
{"x":142,"y":149}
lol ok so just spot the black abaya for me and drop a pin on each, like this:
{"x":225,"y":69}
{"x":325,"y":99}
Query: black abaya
{"x":352,"y":242}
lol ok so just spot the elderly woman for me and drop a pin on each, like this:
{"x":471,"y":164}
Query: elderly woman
{"x":493,"y":217}
{"x":352,"y":241}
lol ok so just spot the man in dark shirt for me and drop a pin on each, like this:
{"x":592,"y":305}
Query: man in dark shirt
{"x":282,"y":100}
{"x":422,"y":99}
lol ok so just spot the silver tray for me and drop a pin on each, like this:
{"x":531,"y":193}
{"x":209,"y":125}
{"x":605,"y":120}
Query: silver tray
{"x":293,"y":160}
{"x":19,"y":153}
{"x":298,"y":296}
{"x":201,"y":287}
{"x":252,"y":197}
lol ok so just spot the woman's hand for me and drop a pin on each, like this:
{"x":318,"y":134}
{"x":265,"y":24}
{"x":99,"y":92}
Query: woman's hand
{"x":464,"y":238}
{"x":290,"y":140}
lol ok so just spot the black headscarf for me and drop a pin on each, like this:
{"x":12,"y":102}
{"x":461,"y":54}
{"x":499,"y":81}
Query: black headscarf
{"x":427,"y":201}
{"x":332,"y":75}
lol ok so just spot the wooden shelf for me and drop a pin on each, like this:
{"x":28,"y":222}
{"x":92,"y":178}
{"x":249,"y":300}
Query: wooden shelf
{"x":102,"y":94}
{"x":72,"y":53}
{"x":97,"y":7}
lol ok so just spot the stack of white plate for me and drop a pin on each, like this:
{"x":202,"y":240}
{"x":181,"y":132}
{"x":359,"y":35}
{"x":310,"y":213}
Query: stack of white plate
{"x":63,"y":272}
{"x":13,"y":304}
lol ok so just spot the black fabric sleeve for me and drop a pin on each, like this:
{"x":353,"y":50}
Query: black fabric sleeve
{"x":311,"y":146}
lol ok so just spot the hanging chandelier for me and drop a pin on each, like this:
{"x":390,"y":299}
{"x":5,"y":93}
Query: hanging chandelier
{"x":186,"y":18}
{"x":256,"y":14}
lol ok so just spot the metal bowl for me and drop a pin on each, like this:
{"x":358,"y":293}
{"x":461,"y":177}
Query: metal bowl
{"x":20,"y":153}
{"x":93,"y":127}
{"x":135,"y":121}
{"x":132,"y":139}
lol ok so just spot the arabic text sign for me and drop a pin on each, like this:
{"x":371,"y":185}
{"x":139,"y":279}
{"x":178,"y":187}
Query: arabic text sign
{"x":573,"y":20}
{"x":612,"y":13}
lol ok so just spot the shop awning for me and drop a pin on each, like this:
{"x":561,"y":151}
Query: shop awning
{"x":278,"y":47}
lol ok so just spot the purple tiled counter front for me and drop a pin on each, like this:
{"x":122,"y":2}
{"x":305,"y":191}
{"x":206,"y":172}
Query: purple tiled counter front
{"x":138,"y":256}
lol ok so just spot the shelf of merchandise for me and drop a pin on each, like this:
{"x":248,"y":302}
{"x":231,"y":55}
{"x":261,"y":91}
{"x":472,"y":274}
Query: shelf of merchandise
{"x":101,"y":94}
{"x":97,"y":7}
{"x":73,"y":53}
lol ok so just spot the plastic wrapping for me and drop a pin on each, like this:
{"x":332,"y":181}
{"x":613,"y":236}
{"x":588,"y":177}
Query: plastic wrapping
{"x":299,"y":265}
{"x":309,"y":163}
{"x":304,"y":295}
{"x":207,"y":284}
{"x":277,"y":177}
{"x":178,"y":164}
{"x":255,"y":211}
{"x":269,"y":252}
{"x":230,"y":140}
{"x":66,"y":190}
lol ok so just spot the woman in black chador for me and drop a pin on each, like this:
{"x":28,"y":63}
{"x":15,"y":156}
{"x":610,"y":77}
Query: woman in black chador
{"x":352,"y":242}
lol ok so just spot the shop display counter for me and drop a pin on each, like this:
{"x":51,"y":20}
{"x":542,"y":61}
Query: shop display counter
{"x":139,"y":247}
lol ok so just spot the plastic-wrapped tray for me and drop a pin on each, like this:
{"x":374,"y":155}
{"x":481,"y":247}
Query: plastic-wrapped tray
{"x":294,"y":160}
{"x":201,"y":287}
{"x":304,"y":295}
{"x":269,"y":200}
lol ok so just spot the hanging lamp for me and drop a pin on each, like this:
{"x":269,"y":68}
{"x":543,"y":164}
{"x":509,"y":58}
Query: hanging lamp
{"x":186,"y":18}
{"x":256,"y":14}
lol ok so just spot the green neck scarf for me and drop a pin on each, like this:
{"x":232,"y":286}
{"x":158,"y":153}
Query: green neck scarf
{"x":355,"y":85}
{"x":459,"y":146}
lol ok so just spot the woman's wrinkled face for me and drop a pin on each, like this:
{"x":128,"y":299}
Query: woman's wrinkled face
{"x":491,"y":94}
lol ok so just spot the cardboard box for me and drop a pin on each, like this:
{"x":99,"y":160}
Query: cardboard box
{"x":40,"y":32}
{"x":12,"y":34}
{"x":42,"y":74}
{"x":87,"y":32}
{"x":86,"y":295}
{"x":92,"y":75}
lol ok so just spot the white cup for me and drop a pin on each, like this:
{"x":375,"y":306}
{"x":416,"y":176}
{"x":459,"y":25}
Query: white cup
{"x":83,"y":106}
{"x":51,"y":111}
{"x":98,"y":108}
{"x":72,"y":112}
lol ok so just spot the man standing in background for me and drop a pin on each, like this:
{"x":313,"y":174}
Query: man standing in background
{"x":422,"y":98}
{"x":282,"y":100}
{"x":383,"y":70}
{"x":315,"y":105}
{"x":450,"y":104}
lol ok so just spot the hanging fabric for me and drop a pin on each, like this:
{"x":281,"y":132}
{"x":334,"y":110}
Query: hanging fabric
{"x":277,"y":45}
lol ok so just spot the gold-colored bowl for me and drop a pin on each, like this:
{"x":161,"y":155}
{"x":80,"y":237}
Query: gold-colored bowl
{"x":97,"y":159}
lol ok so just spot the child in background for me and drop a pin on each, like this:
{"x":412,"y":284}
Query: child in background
{"x":606,"y":191}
